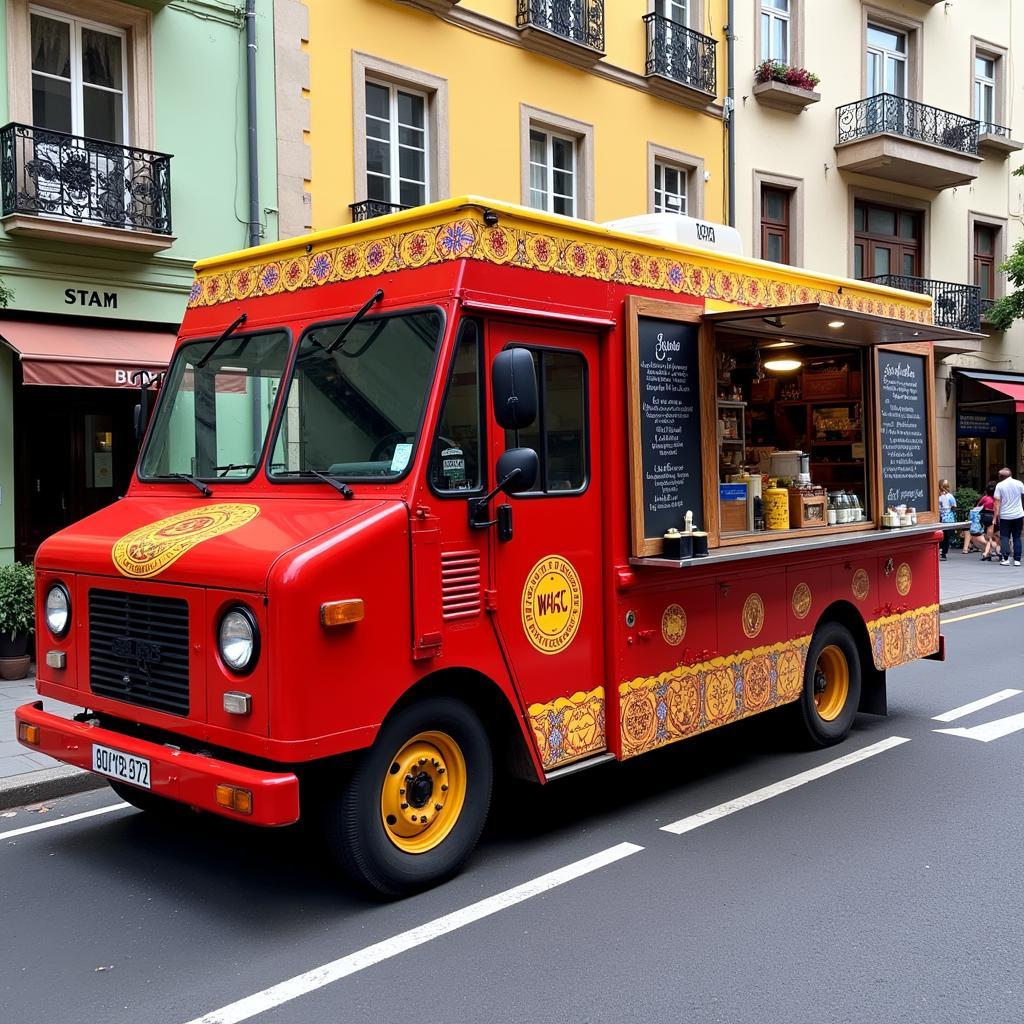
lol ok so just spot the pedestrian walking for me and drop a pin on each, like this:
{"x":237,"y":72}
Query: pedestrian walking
{"x":947,"y":514}
{"x":986,"y":505}
{"x":1008,"y":515}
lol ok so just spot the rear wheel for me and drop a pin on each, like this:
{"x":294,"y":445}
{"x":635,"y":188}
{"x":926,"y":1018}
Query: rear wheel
{"x":415,"y":804}
{"x":832,"y":680}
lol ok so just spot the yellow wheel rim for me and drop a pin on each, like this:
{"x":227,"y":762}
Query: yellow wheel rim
{"x":423,"y":792}
{"x":831,"y":683}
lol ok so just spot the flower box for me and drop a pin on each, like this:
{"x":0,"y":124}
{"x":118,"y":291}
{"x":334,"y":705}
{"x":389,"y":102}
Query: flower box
{"x":780,"y":96}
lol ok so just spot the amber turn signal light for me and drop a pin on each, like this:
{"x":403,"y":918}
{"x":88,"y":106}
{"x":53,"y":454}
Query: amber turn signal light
{"x":342,"y":613}
{"x":235,"y":799}
{"x":28,"y":734}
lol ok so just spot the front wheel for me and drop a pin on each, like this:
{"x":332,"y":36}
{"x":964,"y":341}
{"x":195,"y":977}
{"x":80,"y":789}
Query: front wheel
{"x":413,"y":809}
{"x":832,"y":678}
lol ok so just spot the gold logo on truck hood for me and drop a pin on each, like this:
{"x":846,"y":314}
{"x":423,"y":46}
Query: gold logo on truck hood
{"x":150,"y":549}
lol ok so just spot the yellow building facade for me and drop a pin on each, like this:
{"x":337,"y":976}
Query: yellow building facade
{"x":594,"y":108}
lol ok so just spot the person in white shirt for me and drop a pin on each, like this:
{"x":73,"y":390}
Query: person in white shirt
{"x":1009,"y":515}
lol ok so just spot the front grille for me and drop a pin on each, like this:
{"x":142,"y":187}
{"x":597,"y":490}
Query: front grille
{"x":138,"y":649}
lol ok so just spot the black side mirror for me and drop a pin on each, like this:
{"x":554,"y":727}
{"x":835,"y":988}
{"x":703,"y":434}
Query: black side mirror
{"x":517,"y":469}
{"x":514,"y":383}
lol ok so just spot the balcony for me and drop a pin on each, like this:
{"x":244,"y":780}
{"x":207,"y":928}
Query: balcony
{"x":71,"y":188}
{"x":954,"y":305}
{"x":370,"y":208}
{"x":994,"y":140}
{"x":680,"y":62}
{"x":897,"y":139}
{"x":571,"y":30}
{"x":986,"y":305}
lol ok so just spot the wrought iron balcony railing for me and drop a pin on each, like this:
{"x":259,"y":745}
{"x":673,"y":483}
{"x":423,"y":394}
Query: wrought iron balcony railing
{"x":681,"y":54}
{"x":51,"y":174}
{"x":955,"y":305}
{"x":896,"y":115}
{"x":581,"y":21}
{"x":370,"y":208}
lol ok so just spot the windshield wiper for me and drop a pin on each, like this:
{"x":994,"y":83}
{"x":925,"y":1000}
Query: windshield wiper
{"x":220,"y":341}
{"x":339,"y":485}
{"x":232,"y":466}
{"x":360,"y":313}
{"x":188,"y":478}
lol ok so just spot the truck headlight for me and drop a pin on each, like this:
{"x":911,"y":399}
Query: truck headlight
{"x":58,"y":609}
{"x":239,"y":639}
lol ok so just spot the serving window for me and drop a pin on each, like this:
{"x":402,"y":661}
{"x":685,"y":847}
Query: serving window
{"x":775,"y":424}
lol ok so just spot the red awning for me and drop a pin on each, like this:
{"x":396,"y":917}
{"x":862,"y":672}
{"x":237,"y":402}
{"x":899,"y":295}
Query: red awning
{"x":1013,"y":391}
{"x":84,"y":357}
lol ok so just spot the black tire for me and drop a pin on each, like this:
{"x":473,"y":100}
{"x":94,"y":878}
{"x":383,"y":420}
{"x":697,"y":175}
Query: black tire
{"x":144,"y":800}
{"x":364,"y":845}
{"x":825,"y":717}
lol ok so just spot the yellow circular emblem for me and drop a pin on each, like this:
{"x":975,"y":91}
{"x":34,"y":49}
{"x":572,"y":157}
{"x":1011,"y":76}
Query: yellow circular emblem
{"x":753,"y":615}
{"x":801,"y":600}
{"x":552,"y":604}
{"x":673,"y":625}
{"x":860,"y":584}
{"x":150,"y":549}
{"x":904,"y":578}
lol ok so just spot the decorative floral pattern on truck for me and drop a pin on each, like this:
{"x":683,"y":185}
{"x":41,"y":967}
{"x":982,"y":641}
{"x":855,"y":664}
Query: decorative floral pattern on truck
{"x":901,"y":636}
{"x":690,"y":699}
{"x":569,"y":728}
{"x":468,"y":238}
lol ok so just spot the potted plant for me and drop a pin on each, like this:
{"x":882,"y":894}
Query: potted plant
{"x":785,"y":86}
{"x":17,"y":619}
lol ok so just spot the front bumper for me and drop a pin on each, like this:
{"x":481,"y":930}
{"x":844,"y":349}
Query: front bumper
{"x":176,"y":774}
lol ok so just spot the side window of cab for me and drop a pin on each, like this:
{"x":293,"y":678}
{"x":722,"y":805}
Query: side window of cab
{"x":456,"y":463}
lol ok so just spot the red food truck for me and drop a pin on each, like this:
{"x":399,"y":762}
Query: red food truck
{"x":472,"y":488}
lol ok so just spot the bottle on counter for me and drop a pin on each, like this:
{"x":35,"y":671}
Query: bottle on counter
{"x":858,"y":512}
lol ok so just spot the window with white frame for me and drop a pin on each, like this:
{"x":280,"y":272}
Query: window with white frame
{"x":677,"y":11}
{"x":397,"y":144}
{"x":775,"y":30}
{"x":985,"y":91}
{"x":886,"y":61}
{"x":78,"y":76}
{"x":553,"y":172}
{"x":670,"y":188}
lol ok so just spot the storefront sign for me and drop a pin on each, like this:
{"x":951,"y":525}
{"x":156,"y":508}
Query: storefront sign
{"x":665,"y":411}
{"x":979,"y":424}
{"x":903,"y":411}
{"x":85,"y":297}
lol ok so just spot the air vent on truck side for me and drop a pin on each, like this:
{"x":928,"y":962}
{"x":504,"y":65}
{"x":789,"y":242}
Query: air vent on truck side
{"x":460,"y":585}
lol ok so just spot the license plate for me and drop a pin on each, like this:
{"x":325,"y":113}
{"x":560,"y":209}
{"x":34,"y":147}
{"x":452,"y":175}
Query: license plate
{"x":118,"y":765}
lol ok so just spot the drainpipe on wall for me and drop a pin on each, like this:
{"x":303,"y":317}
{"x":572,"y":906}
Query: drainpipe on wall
{"x":254,"y":172}
{"x":730,"y":110}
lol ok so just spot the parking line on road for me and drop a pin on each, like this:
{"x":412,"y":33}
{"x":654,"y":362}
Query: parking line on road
{"x":976,"y":705}
{"x":695,"y":821}
{"x":317,"y":978}
{"x":988,"y":611}
{"x":989,"y":731}
{"x":60,"y":821}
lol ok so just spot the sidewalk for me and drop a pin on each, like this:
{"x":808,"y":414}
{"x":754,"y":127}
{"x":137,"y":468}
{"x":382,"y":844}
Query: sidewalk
{"x":964,"y":580}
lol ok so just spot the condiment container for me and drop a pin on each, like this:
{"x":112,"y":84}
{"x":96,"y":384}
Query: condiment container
{"x":700,"y":544}
{"x":671,"y":544}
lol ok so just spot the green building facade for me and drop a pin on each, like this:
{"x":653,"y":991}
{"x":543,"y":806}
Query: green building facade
{"x":123,"y":159}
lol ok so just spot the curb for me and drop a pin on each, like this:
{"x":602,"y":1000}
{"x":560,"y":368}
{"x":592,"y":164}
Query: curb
{"x":988,"y":597}
{"x":51,"y":783}
{"x":46,"y":784}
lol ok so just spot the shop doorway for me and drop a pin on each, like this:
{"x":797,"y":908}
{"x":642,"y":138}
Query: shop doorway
{"x":74,"y":453}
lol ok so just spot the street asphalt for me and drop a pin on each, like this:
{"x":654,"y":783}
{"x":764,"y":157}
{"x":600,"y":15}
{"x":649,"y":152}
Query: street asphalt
{"x":886,"y":890}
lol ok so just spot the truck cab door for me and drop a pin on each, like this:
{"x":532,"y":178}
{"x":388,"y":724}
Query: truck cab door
{"x":547,"y":576}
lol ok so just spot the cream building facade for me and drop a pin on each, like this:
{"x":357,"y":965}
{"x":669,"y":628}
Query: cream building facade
{"x":897,"y":165}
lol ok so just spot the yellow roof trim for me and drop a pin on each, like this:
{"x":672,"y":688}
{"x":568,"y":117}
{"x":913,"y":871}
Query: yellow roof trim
{"x":747,"y":282}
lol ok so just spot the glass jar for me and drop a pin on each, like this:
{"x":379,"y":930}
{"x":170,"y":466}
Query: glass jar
{"x":832,"y":509}
{"x":858,"y":512}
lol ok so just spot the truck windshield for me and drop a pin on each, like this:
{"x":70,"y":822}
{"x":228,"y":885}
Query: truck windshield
{"x":354,"y":404}
{"x":216,"y":408}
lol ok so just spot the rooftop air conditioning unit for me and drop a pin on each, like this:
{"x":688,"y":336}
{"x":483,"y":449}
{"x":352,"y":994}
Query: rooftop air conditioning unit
{"x":674,"y":227}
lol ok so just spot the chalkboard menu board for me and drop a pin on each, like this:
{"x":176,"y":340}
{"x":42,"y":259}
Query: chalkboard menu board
{"x":903,"y":420}
{"x":665,"y":419}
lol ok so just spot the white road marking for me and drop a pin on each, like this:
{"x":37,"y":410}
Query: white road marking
{"x":695,"y":821}
{"x":989,"y":611}
{"x":60,"y":821}
{"x":975,"y":705}
{"x":317,"y":978}
{"x":988,"y":731}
